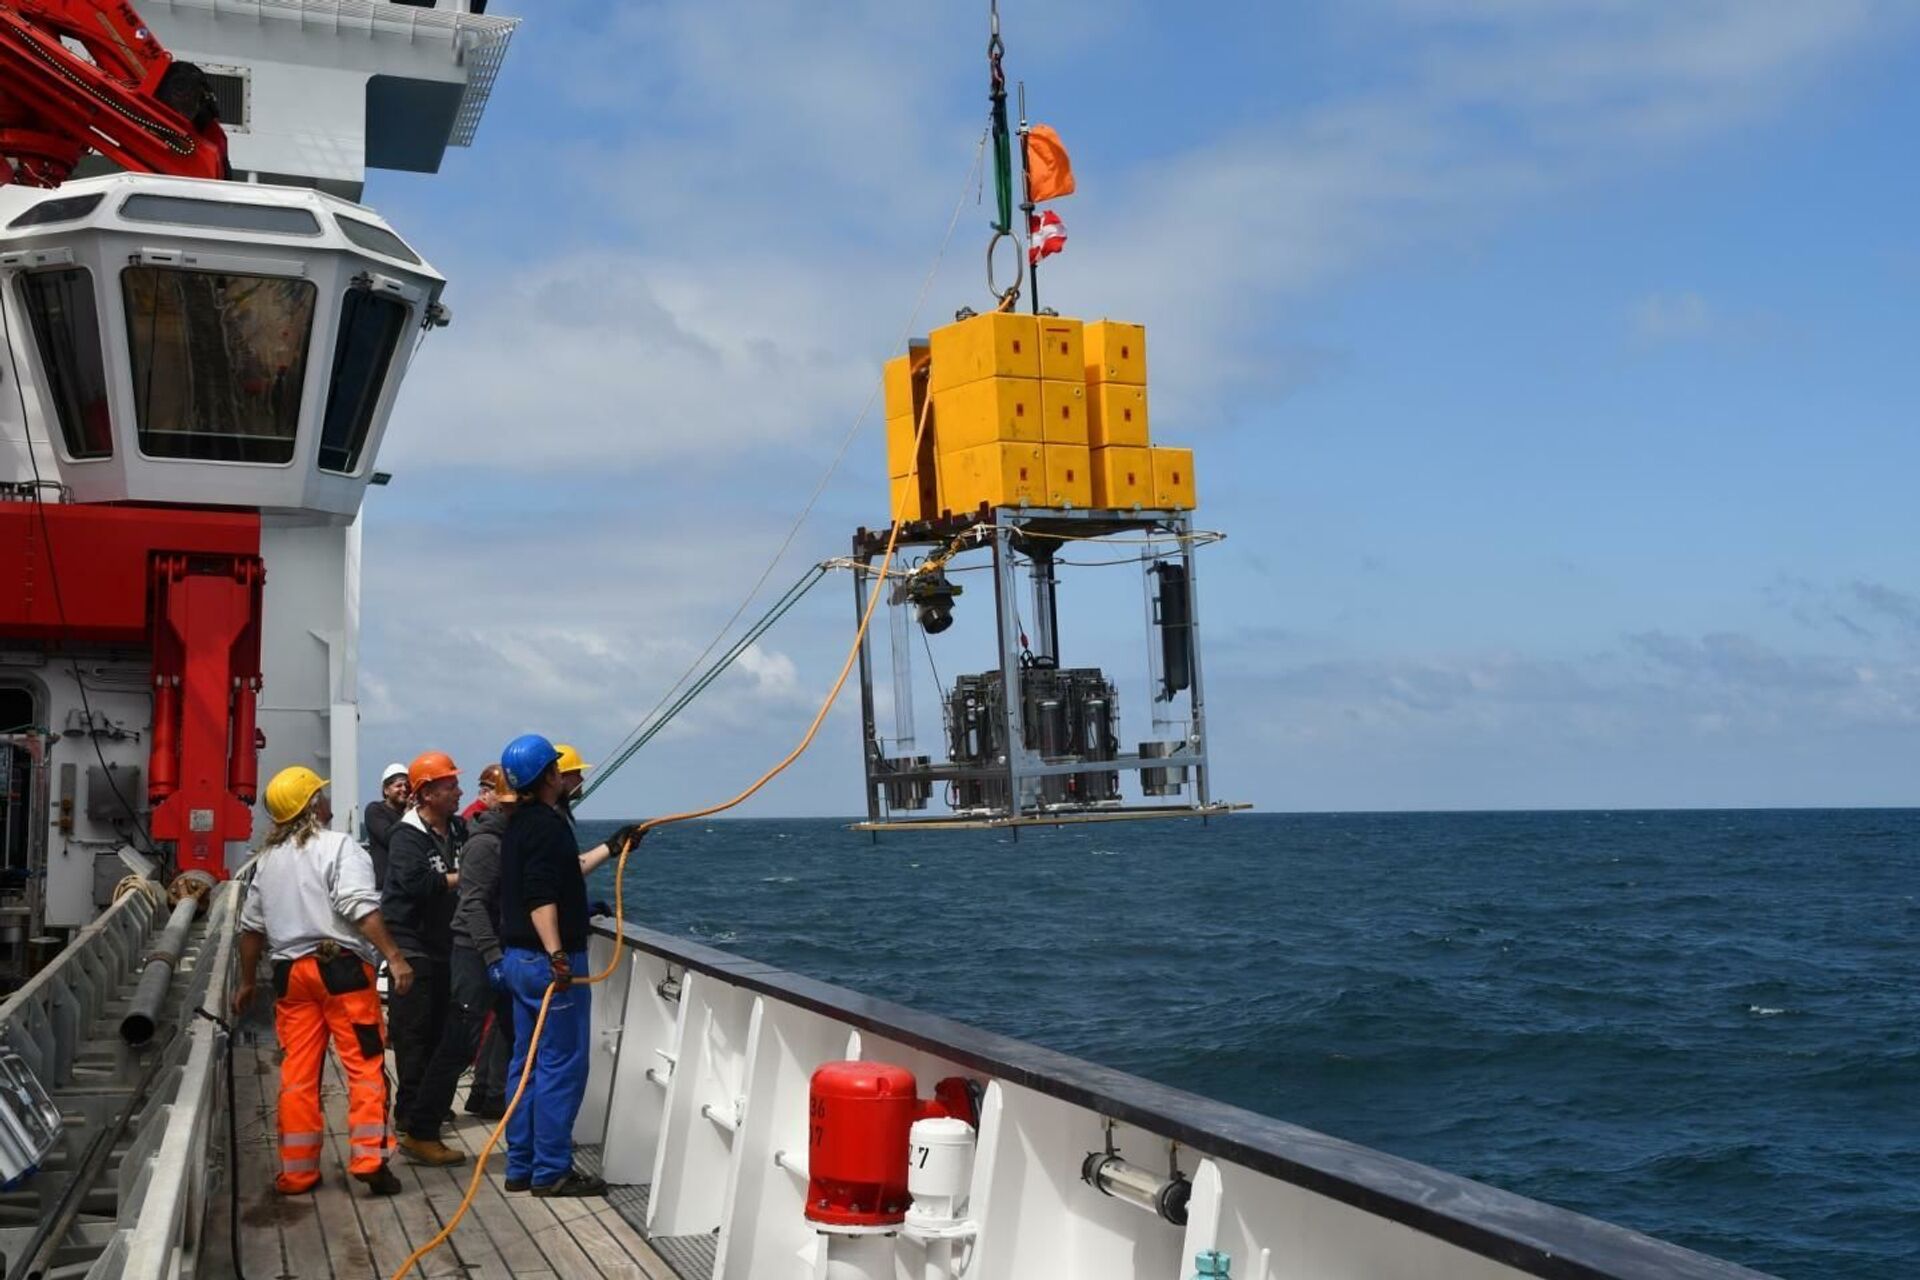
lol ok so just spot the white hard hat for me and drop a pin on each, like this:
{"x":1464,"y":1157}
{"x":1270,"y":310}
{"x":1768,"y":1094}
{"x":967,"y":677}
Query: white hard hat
{"x":391,"y":770}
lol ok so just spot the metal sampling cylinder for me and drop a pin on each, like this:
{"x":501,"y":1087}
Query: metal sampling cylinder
{"x":1163,"y":1196}
{"x":137,"y":1027}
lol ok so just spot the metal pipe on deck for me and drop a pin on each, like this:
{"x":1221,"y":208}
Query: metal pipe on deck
{"x":137,"y":1027}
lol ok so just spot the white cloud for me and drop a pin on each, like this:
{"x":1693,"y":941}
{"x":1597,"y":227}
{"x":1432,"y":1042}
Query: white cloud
{"x":613,"y":361}
{"x":763,"y":185}
{"x":1671,"y":317}
{"x":758,"y":230}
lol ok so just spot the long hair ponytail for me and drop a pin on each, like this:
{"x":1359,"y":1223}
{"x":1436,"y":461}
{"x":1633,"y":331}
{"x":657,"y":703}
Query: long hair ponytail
{"x":297,"y":830}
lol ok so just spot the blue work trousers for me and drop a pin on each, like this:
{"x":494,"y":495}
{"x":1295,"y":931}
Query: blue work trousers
{"x":540,"y":1131}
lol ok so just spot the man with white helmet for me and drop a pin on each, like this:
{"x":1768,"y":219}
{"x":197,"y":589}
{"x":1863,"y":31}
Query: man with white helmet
{"x":383,"y":814}
{"x":313,"y":908}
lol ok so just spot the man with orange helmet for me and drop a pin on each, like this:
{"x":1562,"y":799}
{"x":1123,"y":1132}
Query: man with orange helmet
{"x":490,"y":789}
{"x":313,"y":908}
{"x":423,"y":879}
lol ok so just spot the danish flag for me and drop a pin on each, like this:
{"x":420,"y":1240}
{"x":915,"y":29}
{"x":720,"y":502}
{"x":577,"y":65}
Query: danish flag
{"x":1048,"y":235}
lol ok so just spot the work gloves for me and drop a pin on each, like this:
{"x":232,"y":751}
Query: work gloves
{"x":497,"y":975}
{"x":629,"y":834}
{"x":562,"y":970}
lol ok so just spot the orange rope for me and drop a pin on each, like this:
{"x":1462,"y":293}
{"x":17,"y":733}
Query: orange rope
{"x":620,"y":867}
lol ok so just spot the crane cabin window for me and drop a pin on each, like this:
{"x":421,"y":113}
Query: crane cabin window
{"x":220,"y":215}
{"x":219,"y":362}
{"x":66,"y":332}
{"x":370,"y":330}
{"x":63,"y":209}
{"x":377,"y":240}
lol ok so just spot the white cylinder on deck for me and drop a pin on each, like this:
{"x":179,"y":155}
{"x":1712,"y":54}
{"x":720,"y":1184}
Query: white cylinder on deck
{"x":861,"y":1257}
{"x":939,"y":1170}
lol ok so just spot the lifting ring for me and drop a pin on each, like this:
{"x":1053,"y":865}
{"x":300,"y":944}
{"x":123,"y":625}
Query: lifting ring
{"x":1011,"y":294}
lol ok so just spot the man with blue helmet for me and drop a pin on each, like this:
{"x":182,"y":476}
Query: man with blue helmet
{"x":543,"y":929}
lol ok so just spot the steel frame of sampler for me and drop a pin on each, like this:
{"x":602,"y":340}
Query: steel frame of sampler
{"x":1024,"y":767}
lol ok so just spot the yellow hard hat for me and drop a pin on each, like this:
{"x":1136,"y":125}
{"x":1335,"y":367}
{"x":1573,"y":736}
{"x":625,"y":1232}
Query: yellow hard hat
{"x":570,"y":761}
{"x":291,"y":790}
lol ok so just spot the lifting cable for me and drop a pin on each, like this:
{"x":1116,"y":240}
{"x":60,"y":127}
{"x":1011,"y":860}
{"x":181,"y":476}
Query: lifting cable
{"x":620,"y":866}
{"x":651,"y":727}
{"x":859,"y":423}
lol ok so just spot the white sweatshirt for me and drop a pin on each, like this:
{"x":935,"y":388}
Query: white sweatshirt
{"x":304,"y":894}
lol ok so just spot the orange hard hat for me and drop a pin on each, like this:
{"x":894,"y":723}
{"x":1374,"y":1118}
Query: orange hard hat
{"x":429,"y":765}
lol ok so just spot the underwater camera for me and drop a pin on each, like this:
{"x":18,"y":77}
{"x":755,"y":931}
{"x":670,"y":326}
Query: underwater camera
{"x":931,"y":595}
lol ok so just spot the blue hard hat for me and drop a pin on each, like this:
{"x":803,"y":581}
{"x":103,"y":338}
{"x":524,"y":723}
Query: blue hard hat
{"x":525,"y":759}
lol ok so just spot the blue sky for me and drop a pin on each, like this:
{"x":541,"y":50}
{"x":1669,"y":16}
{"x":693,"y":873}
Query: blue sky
{"x":1549,"y":366}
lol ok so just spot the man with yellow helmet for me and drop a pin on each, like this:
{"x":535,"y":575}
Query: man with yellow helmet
{"x":573,"y":775}
{"x":313,"y":908}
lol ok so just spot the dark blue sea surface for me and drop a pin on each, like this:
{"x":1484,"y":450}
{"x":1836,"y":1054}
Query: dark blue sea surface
{"x":1699,"y":1024}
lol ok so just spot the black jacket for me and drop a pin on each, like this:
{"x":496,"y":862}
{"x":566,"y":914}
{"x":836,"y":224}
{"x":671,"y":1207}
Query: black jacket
{"x":540,"y":866}
{"x":380,"y":822}
{"x":415,"y":901}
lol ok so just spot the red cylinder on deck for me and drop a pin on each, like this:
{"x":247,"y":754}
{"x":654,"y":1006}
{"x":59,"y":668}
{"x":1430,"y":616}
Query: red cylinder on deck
{"x":861,"y":1117}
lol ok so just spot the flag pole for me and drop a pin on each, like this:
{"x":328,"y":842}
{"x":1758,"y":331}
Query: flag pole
{"x":1027,"y":205}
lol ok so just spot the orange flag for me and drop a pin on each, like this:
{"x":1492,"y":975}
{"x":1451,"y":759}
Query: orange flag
{"x":1049,"y":172}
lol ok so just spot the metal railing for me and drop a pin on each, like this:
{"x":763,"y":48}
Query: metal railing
{"x":163,"y":1205}
{"x":172,"y":1125}
{"x":43,"y":1020}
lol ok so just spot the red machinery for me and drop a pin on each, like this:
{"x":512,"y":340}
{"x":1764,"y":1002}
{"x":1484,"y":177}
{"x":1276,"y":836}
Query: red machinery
{"x":133,"y":103}
{"x":861,"y":1117}
{"x":185,"y":583}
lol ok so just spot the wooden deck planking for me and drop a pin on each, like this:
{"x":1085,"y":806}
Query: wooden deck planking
{"x":339,"y":1231}
{"x":263,"y":1251}
{"x":489,"y":1251}
{"x":491,"y":1206}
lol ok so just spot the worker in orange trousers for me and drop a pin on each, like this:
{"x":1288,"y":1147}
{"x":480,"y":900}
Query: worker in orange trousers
{"x":312,"y":904}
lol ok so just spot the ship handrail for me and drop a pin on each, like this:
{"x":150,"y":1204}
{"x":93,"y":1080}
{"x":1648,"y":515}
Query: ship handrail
{"x":163,"y":1175}
{"x":41,"y":1020}
{"x":169,"y":1211}
{"x":1507,"y":1228}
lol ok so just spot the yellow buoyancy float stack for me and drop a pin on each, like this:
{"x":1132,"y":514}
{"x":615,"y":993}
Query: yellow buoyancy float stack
{"x":1028,"y":411}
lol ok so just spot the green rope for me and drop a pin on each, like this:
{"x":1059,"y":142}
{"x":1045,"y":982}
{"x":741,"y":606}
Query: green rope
{"x":792,"y":596}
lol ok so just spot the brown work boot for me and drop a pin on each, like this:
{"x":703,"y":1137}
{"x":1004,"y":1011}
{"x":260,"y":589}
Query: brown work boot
{"x":432,"y":1151}
{"x":381,"y":1182}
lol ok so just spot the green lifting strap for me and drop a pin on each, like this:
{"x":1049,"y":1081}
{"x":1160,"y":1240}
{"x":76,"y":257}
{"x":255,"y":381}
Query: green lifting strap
{"x":1002,"y":138}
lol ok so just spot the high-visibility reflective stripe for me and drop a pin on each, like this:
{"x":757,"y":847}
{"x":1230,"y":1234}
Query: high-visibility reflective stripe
{"x":369,"y":1131}
{"x":301,"y":1139}
{"x":362,"y":1149}
{"x":299,"y":1166}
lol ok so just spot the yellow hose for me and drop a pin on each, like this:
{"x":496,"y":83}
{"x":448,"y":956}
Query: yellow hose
{"x":620,"y":866}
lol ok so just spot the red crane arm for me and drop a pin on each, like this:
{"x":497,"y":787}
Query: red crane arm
{"x":133,"y":102}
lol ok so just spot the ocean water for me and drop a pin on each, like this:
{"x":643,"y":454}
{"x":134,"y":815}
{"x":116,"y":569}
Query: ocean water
{"x":1704,"y":1025}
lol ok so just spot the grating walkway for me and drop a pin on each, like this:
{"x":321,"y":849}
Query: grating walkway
{"x":692,"y":1256}
{"x":338,"y":1232}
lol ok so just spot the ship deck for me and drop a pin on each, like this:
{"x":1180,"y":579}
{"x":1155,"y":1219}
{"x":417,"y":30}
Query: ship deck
{"x":338,"y":1230}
